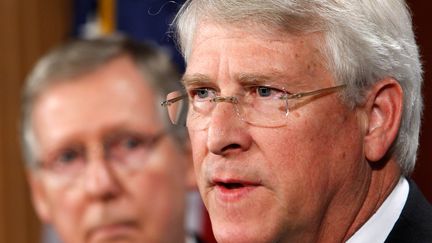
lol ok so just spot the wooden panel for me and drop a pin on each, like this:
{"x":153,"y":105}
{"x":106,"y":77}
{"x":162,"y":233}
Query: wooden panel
{"x":11,"y":179}
{"x":28,"y":28}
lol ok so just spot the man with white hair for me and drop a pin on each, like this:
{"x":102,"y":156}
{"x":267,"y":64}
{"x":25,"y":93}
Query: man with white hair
{"x":304,"y":119}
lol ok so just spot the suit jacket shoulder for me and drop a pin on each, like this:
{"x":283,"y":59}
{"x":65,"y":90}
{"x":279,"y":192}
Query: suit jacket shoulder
{"x":415,"y":222}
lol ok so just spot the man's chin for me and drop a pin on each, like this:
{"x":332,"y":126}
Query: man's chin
{"x":238,"y":234}
{"x":121,"y":232}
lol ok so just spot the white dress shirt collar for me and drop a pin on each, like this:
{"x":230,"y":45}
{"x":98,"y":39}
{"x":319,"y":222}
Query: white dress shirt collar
{"x":379,"y":226}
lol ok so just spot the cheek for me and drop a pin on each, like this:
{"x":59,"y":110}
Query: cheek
{"x":312,"y":153}
{"x":199,"y":148}
{"x":156,"y":193}
{"x":67,"y":209}
{"x":157,"y":201}
{"x":321,"y":135}
{"x":67,"y":201}
{"x":160,"y":186}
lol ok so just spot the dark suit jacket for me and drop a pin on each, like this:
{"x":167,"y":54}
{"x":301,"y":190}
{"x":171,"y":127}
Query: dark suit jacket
{"x":415,"y":222}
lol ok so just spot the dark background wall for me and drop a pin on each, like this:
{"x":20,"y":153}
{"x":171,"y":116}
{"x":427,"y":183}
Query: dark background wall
{"x":421,"y":11}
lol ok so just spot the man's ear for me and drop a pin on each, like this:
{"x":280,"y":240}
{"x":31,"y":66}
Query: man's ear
{"x":384,"y":111}
{"x":190,"y":172}
{"x":38,"y":196}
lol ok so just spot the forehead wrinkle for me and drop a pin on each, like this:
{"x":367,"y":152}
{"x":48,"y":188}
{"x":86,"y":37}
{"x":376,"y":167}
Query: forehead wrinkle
{"x":241,"y":77}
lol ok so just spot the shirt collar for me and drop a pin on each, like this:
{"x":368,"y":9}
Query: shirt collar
{"x":378,"y":227}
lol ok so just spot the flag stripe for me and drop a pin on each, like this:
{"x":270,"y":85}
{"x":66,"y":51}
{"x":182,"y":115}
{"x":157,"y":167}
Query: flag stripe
{"x":107,"y":10}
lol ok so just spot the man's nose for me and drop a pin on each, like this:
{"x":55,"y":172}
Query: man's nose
{"x":101,"y":181}
{"x":227,"y":132}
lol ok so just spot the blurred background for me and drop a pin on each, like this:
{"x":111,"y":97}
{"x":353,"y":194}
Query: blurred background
{"x":28,"y":28}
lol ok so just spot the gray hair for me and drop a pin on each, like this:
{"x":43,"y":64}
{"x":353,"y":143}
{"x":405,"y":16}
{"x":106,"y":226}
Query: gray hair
{"x":363,"y":42}
{"x":80,"y":57}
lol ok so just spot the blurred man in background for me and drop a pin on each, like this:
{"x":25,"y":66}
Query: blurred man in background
{"x":103,"y":164}
{"x":304,"y":119}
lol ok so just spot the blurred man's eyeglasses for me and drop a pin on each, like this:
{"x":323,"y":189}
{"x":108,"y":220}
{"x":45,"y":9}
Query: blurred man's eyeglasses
{"x":124,"y":151}
{"x":263,"y":106}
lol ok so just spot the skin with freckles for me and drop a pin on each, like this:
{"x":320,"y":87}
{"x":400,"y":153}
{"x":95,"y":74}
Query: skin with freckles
{"x":312,"y":180}
{"x":104,"y":204}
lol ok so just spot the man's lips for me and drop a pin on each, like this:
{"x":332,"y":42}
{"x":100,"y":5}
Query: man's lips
{"x":230,"y":190}
{"x":233,"y":183}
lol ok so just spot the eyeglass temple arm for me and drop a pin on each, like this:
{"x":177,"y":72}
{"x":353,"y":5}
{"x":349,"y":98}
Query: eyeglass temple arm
{"x":169,"y":102}
{"x":315,"y":92}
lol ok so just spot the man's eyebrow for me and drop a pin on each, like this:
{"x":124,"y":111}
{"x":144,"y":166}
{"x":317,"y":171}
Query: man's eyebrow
{"x":252,"y":78}
{"x":257,"y":79}
{"x":188,"y":80}
{"x":244,"y":79}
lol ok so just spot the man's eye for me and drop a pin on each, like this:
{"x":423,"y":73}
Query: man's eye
{"x":131,"y":143}
{"x":202,"y":93}
{"x":128,"y":148}
{"x":126,"y":144}
{"x":68,"y":156}
{"x":65,"y":161}
{"x":264,"y":91}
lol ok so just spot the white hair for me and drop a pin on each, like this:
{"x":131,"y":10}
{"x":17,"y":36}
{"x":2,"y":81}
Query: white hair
{"x":364,"y":42}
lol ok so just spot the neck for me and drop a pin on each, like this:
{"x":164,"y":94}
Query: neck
{"x":357,"y":201}
{"x":381,"y":185}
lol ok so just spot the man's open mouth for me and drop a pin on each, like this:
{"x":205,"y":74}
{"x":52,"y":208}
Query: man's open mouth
{"x":233,"y":190}
{"x":230,"y":185}
{"x":233,"y":184}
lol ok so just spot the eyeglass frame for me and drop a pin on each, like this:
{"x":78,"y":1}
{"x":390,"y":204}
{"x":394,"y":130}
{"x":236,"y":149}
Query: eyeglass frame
{"x":153,"y":140}
{"x":234,"y":99}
